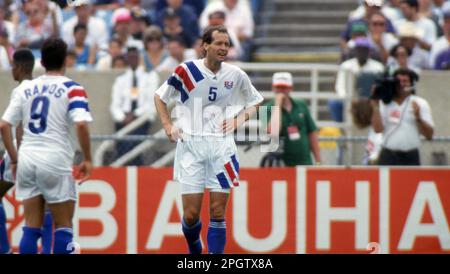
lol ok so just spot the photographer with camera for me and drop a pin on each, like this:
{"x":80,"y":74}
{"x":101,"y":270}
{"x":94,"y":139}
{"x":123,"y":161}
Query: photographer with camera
{"x":402,"y":117}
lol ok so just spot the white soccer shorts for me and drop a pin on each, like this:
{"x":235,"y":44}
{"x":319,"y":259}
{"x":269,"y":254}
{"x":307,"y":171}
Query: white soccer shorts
{"x":206,"y":162}
{"x":33,"y":181}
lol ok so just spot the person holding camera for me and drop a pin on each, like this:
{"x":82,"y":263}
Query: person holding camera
{"x":402,"y":117}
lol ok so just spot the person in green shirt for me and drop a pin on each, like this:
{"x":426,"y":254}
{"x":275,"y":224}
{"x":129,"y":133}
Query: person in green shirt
{"x":292,"y":120}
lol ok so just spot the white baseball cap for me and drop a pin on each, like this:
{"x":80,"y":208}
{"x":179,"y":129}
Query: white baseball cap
{"x":282,"y":79}
{"x":375,"y":3}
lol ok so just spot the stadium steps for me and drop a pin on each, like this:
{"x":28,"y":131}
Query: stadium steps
{"x":300,"y":30}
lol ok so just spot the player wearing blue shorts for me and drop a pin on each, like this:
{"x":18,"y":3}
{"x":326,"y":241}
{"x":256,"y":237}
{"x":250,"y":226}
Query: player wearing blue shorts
{"x":213,"y":98}
{"x":52,"y":108}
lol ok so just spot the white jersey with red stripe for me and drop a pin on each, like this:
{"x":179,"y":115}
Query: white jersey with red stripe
{"x":48,"y":107}
{"x":204,"y":99}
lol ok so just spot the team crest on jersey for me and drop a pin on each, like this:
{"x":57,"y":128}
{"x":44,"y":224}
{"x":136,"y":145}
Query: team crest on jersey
{"x":229,"y":84}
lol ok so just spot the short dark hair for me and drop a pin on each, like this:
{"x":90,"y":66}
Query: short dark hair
{"x":393,"y":51}
{"x":79,"y":27}
{"x":413,"y":76}
{"x":219,"y":13}
{"x":411,"y":3}
{"x":207,"y":37}
{"x":53,"y":53}
{"x":25,"y":58}
{"x":132,"y":49}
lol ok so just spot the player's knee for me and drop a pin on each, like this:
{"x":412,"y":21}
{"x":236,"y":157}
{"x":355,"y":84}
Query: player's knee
{"x":217,"y":211}
{"x":191,"y":219}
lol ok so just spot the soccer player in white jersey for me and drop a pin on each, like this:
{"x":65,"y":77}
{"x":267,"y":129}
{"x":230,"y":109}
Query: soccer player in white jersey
{"x":213,"y":99}
{"x":22,"y":69}
{"x":51,"y":107}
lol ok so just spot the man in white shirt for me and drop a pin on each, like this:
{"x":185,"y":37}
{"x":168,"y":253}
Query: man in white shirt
{"x":410,"y":10}
{"x":402,"y":121}
{"x":358,"y":65}
{"x":97,"y":31}
{"x":213,"y":99}
{"x":132,"y":94}
{"x":177,"y":55}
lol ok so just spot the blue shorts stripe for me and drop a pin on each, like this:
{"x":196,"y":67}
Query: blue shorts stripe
{"x":198,"y":76}
{"x":235,"y":163}
{"x":78,"y":104}
{"x":71,"y":84}
{"x":223,"y":180}
{"x":174,"y":82}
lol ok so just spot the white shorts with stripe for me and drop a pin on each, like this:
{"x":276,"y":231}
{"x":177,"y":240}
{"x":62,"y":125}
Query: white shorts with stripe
{"x":5,"y":169}
{"x":206,"y":162}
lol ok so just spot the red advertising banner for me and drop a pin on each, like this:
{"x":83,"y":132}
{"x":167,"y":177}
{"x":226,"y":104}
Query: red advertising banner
{"x":288,"y":210}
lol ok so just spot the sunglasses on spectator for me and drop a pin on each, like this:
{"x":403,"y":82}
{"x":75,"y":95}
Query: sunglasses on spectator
{"x":379,"y":23}
{"x":32,"y":12}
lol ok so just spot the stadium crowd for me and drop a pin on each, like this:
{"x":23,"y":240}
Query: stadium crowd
{"x":99,"y":32}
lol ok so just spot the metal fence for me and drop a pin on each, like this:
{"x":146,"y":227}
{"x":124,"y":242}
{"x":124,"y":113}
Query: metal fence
{"x":155,"y":150}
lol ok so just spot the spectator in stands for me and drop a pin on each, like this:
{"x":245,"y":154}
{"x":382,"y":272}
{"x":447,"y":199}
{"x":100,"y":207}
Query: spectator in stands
{"x":132,"y":93}
{"x":71,"y":59}
{"x":36,"y":28}
{"x":291,"y":119}
{"x":6,"y":27}
{"x":5,"y":61}
{"x":443,"y":43}
{"x":119,"y":62}
{"x":115,"y":49}
{"x":177,"y":55}
{"x":400,"y":59}
{"x":154,"y":53}
{"x":381,"y":40}
{"x":218,"y":18}
{"x":239,"y":19}
{"x":173,"y":28}
{"x":97,"y":31}
{"x":197,"y":5}
{"x":390,"y":9}
{"x":121,"y":20}
{"x":409,"y":37}
{"x":359,"y":30}
{"x":370,"y":7}
{"x":402,"y":121}
{"x":361,"y":110}
{"x":6,"y":45}
{"x":443,"y":60}
{"x":140,"y":21}
{"x":189,"y":20}
{"x":426,"y":10}
{"x":365,"y":71}
{"x":86,"y":55}
{"x":426,"y":27}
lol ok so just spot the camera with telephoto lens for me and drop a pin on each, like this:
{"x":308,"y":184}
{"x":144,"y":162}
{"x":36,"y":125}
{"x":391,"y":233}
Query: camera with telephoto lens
{"x":385,"y":89}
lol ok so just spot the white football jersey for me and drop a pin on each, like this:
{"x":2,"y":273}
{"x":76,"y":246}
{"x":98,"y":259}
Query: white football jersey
{"x":204,"y":99}
{"x":48,"y":107}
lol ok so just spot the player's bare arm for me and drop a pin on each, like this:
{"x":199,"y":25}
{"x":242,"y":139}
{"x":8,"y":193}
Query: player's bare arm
{"x":85,"y":168}
{"x":231,"y":125}
{"x":172,"y":132}
{"x":6,"y":131}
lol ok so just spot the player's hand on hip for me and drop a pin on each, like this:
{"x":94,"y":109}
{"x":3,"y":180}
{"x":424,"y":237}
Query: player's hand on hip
{"x":228,"y":126}
{"x":174,"y":133}
{"x":84,"y":172}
